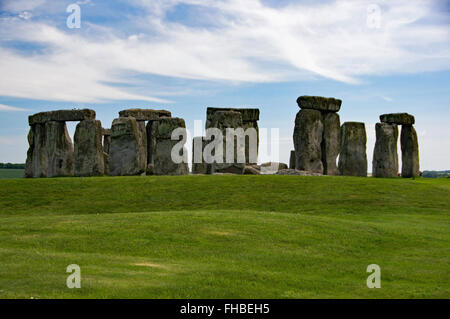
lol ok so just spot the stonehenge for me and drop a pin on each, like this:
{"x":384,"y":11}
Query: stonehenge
{"x":385,"y":155}
{"x":317,"y":135}
{"x":127,"y":156}
{"x":353,"y":158}
{"x":51,"y":152}
{"x":152,"y":142}
{"x":165,"y":147}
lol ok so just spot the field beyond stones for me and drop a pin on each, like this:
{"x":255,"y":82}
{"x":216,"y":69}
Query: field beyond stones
{"x":225,"y":237}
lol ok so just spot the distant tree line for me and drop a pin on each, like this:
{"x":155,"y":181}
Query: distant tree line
{"x":11,"y":165}
{"x":436,"y":174}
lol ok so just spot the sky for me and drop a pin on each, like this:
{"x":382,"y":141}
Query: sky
{"x":185,"y":55}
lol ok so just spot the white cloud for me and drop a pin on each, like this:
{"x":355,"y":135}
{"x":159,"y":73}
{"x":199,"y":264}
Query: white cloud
{"x":21,"y":5}
{"x":249,"y":42}
{"x":10,"y":108}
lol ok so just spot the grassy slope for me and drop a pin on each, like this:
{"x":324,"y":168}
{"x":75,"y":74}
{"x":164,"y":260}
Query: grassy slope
{"x":225,"y":236}
{"x":11,"y":173}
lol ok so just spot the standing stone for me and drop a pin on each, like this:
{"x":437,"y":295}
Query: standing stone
{"x":292,"y":160}
{"x":307,"y":140}
{"x":60,"y":151}
{"x":331,"y":142}
{"x":143,"y":133}
{"x":353,"y":158}
{"x":385,"y":156}
{"x":224,"y":120}
{"x":128,"y":154}
{"x":106,"y":140}
{"x":250,"y":117}
{"x":36,"y":164}
{"x":198,"y":144}
{"x":162,"y":153}
{"x":410,"y":152}
{"x":89,"y":159}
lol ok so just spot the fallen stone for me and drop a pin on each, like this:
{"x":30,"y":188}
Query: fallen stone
{"x":398,"y":118}
{"x":251,"y":170}
{"x":145,"y":114}
{"x":308,"y":133}
{"x":62,"y":116}
{"x":410,"y":152}
{"x":319,"y":103}
{"x":60,"y":150}
{"x":291,"y":171}
{"x":127,"y":156}
{"x":272,"y":167}
{"x":353,"y":158}
{"x":331,"y":143}
{"x":385,"y":156}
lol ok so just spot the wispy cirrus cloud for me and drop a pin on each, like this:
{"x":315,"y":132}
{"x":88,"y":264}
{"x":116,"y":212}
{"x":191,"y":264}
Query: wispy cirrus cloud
{"x":228,"y":41}
{"x":9,"y":108}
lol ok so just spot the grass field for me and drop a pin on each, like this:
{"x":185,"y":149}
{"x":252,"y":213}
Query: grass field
{"x":225,"y":237}
{"x":11,"y":173}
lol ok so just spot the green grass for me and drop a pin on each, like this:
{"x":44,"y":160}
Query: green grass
{"x":11,"y":173}
{"x":225,"y":237}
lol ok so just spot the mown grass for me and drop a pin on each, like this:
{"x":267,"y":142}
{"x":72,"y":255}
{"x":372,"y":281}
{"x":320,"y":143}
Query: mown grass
{"x":225,"y":237}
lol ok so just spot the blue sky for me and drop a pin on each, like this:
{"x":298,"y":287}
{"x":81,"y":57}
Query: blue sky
{"x":186,"y":55}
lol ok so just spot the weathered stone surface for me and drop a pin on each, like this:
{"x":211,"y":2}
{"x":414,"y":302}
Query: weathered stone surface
{"x":398,"y":118}
{"x":248,"y":114}
{"x":162,"y":153}
{"x":145,"y":114}
{"x":89,"y":159}
{"x":308,"y":133}
{"x":127,"y":155}
{"x":272,"y":167}
{"x":319,"y":103}
{"x":331,"y":143}
{"x":250,"y":117}
{"x":291,"y":171}
{"x":353,"y":158}
{"x":198,"y":163}
{"x":410,"y":152}
{"x":60,"y":151}
{"x":251,"y":170}
{"x":385,"y":156}
{"x":106,"y":143}
{"x":36,"y":164}
{"x":292,"y":160}
{"x":143,"y":134}
{"x":224,"y":120}
{"x":106,"y":131}
{"x":62,"y":116}
{"x":151,"y":143}
{"x":106,"y":162}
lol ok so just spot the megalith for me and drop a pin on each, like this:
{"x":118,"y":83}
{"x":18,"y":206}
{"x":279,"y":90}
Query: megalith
{"x":410,"y":152}
{"x":198,"y":163}
{"x":331,"y":142}
{"x":292,"y":160}
{"x":169,"y":156}
{"x":36,"y":164}
{"x":89,"y":159}
{"x":353,"y":158}
{"x":385,"y":156}
{"x":127,"y":155}
{"x":319,"y":103}
{"x":60,"y":150}
{"x":250,"y":118}
{"x":234,"y":163}
{"x":308,"y":133}
{"x":106,"y":148}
